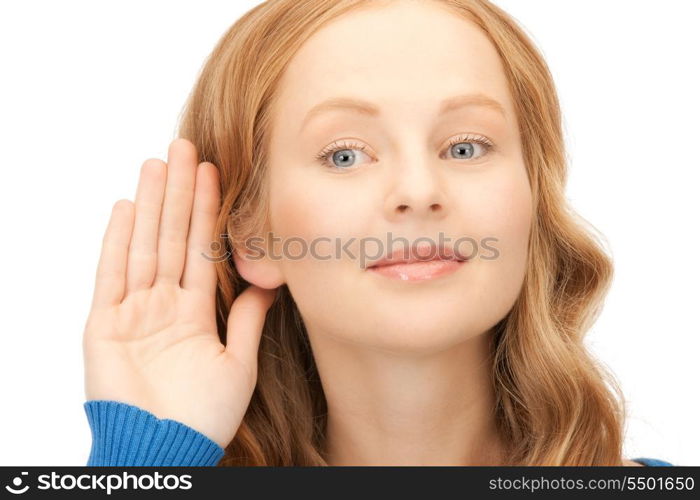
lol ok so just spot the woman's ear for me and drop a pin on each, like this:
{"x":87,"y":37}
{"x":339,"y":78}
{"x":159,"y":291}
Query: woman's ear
{"x":257,"y":269}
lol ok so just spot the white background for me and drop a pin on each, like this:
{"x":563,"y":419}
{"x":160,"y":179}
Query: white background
{"x":89,"y":90}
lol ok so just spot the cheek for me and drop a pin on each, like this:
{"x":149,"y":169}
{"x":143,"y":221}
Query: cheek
{"x":502,"y":212}
{"x":313,"y":206}
{"x":500,"y":207}
{"x":311,"y":212}
{"x":319,"y":282}
{"x":512,"y":215}
{"x":314,"y":219}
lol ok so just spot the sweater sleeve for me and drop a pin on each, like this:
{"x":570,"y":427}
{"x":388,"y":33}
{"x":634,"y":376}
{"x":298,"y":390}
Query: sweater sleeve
{"x":652,"y":462}
{"x":126,"y":435}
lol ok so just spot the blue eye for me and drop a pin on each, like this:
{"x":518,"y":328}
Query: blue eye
{"x":339,"y":156}
{"x":342,"y":156}
{"x":464,"y":145}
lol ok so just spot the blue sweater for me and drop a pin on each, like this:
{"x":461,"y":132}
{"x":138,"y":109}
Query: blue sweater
{"x":126,"y":435}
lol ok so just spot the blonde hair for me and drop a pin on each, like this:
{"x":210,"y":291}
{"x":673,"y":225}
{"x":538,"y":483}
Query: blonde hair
{"x":555,"y":405}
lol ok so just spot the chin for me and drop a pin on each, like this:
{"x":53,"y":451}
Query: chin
{"x":414,"y":335}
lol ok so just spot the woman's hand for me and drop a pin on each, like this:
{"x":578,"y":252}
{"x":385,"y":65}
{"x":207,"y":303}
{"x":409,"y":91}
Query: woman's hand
{"x":151,"y":338}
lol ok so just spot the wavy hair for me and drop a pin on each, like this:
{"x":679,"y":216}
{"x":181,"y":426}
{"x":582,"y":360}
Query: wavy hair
{"x":555,"y":404}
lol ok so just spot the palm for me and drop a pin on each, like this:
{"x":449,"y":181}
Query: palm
{"x":151,"y":338}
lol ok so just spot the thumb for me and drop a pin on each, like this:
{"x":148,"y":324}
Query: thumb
{"x":245,"y":323}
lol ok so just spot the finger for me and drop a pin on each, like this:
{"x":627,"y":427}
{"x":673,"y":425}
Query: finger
{"x":143,"y":251}
{"x":111,"y":270}
{"x":200,"y":271}
{"x":177,"y":207}
{"x":245,"y":323}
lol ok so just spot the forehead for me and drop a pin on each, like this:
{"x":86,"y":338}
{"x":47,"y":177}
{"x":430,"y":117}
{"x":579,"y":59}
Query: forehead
{"x":405,"y":53}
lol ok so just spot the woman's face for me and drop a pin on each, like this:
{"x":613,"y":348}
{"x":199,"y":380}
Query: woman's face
{"x":396,"y":173}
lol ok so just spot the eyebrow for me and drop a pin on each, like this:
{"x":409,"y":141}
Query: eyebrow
{"x":368,"y":109}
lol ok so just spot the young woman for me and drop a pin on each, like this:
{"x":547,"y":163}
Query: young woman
{"x":330,"y":124}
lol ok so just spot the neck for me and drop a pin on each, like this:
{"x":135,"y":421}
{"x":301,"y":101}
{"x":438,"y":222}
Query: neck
{"x":400,"y":409}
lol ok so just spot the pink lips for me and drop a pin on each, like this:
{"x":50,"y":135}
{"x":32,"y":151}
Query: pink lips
{"x":418,"y":271}
{"x":428,"y":264}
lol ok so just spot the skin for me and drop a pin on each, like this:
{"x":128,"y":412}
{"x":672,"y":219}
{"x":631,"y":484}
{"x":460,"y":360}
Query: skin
{"x":150,"y":339}
{"x":404,"y":366}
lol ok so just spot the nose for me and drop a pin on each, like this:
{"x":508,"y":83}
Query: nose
{"x":416,"y":190}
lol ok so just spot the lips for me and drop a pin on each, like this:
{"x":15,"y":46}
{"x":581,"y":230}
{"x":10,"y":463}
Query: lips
{"x":419,"y":254}
{"x":418,"y":271}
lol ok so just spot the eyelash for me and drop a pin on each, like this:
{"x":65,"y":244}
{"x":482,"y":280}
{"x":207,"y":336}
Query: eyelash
{"x":328,"y":151}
